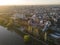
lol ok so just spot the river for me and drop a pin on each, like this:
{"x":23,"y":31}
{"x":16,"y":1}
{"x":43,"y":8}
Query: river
{"x":8,"y":37}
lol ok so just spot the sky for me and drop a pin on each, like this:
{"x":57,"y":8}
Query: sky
{"x":29,"y":2}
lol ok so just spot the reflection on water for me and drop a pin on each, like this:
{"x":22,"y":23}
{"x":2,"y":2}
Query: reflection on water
{"x":10,"y":37}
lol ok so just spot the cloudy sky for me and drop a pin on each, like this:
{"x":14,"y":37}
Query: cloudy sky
{"x":29,"y":2}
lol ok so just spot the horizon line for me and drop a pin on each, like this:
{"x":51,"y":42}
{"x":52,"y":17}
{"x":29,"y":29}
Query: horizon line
{"x":29,"y":5}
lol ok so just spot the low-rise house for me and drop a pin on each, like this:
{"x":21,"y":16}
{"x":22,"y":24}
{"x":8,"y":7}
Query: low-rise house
{"x":18,"y":15}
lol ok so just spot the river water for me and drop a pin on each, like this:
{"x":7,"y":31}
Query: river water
{"x":8,"y":37}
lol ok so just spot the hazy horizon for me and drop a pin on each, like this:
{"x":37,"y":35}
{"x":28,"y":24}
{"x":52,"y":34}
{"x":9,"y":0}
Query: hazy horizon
{"x":29,"y":2}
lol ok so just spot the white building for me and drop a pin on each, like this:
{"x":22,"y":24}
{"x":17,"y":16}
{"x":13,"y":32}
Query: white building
{"x":18,"y":15}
